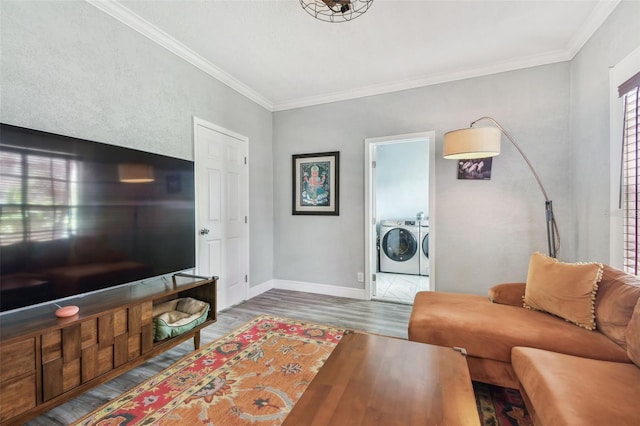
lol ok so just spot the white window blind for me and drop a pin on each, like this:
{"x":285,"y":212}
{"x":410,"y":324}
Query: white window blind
{"x":35,"y":196}
{"x":631,"y":174}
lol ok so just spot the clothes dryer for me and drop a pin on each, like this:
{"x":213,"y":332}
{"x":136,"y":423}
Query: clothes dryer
{"x":424,"y":247}
{"x":399,"y":247}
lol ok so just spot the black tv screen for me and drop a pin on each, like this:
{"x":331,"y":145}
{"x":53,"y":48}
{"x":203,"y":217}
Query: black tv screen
{"x":78,"y":216}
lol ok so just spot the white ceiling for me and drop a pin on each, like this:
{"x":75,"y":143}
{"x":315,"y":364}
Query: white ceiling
{"x":276,"y":54}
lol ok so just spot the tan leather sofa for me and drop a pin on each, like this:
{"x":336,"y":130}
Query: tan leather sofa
{"x":568,"y":375}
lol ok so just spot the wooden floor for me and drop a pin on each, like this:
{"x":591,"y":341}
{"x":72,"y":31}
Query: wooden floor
{"x":384,"y":318}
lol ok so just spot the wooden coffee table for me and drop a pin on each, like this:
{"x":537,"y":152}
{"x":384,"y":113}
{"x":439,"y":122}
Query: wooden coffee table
{"x":375,"y":380}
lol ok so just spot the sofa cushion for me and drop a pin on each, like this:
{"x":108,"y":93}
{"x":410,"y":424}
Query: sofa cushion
{"x":633,"y":336}
{"x":490,"y":330}
{"x":567,"y":290}
{"x":617,"y":295}
{"x":507,"y":293}
{"x":569,"y":390}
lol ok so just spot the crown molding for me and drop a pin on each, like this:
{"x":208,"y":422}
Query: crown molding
{"x":144,"y":27}
{"x":445,"y":77}
{"x":113,"y":8}
{"x":595,"y":19}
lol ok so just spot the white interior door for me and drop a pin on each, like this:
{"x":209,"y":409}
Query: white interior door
{"x":222,"y":187}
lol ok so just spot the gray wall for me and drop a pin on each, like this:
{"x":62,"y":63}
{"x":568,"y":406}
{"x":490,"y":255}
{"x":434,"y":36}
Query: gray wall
{"x":615,"y":39}
{"x":486,"y":230}
{"x":68,"y":68}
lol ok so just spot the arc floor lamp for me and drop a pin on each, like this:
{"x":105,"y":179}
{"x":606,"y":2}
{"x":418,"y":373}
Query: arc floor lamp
{"x":482,"y":142}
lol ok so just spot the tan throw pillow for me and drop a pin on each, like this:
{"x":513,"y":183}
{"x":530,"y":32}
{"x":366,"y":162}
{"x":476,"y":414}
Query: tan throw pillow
{"x":633,"y":336}
{"x":567,"y":290}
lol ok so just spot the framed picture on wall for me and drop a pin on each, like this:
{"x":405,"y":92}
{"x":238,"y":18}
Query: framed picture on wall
{"x":478,"y":168}
{"x":316,"y":183}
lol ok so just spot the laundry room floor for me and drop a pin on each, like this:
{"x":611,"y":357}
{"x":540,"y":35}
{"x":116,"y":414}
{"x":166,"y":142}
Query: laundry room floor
{"x":401,"y":288}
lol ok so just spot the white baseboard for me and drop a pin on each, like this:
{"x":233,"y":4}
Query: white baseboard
{"x":329,"y":290}
{"x":257,"y":290}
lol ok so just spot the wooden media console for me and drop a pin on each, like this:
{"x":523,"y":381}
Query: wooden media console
{"x":45,"y":360}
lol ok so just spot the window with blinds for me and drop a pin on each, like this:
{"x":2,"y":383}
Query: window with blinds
{"x":37,"y":193}
{"x":631,"y":174}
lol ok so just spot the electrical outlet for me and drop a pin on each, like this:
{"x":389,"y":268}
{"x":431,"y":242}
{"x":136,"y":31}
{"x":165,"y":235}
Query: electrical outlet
{"x":360,"y":277}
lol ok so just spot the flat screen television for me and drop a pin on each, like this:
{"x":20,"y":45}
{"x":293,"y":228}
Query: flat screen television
{"x":78,"y":216}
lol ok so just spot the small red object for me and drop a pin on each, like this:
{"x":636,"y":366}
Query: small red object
{"x":67,"y":311}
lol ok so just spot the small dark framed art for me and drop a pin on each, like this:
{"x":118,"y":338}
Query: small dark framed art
{"x":316,"y":183}
{"x":478,"y":169}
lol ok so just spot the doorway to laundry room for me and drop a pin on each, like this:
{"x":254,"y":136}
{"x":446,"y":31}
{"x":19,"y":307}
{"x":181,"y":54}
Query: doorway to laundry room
{"x":399,"y":221}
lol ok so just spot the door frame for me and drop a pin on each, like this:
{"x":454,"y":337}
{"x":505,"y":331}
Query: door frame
{"x":247,"y":234}
{"x":369,"y":203}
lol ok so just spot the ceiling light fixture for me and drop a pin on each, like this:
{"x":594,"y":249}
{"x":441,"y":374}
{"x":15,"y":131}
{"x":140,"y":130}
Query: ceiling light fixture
{"x":336,"y":10}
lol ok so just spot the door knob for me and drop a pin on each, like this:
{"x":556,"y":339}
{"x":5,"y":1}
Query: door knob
{"x":204,"y":231}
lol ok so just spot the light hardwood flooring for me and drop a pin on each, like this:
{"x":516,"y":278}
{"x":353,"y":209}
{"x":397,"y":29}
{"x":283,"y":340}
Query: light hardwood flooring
{"x":384,"y":318}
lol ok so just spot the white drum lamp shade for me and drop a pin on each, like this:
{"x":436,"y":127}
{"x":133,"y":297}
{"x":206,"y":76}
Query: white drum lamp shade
{"x":473,"y":142}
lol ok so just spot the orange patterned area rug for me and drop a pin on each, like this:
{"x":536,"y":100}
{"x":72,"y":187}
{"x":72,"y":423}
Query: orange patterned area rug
{"x":252,"y":376}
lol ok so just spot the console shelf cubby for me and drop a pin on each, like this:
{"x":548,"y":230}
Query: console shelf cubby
{"x":45,"y":360}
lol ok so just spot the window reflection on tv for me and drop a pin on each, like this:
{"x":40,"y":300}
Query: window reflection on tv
{"x":78,"y":216}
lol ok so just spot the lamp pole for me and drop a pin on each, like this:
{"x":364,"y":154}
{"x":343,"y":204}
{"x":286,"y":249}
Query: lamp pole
{"x":552,"y":229}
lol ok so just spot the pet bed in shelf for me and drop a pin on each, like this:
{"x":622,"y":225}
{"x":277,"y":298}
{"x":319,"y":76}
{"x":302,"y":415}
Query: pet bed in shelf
{"x":178,"y":316}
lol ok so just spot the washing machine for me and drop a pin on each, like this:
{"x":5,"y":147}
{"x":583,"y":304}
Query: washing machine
{"x":424,"y":247}
{"x":399,"y":247}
